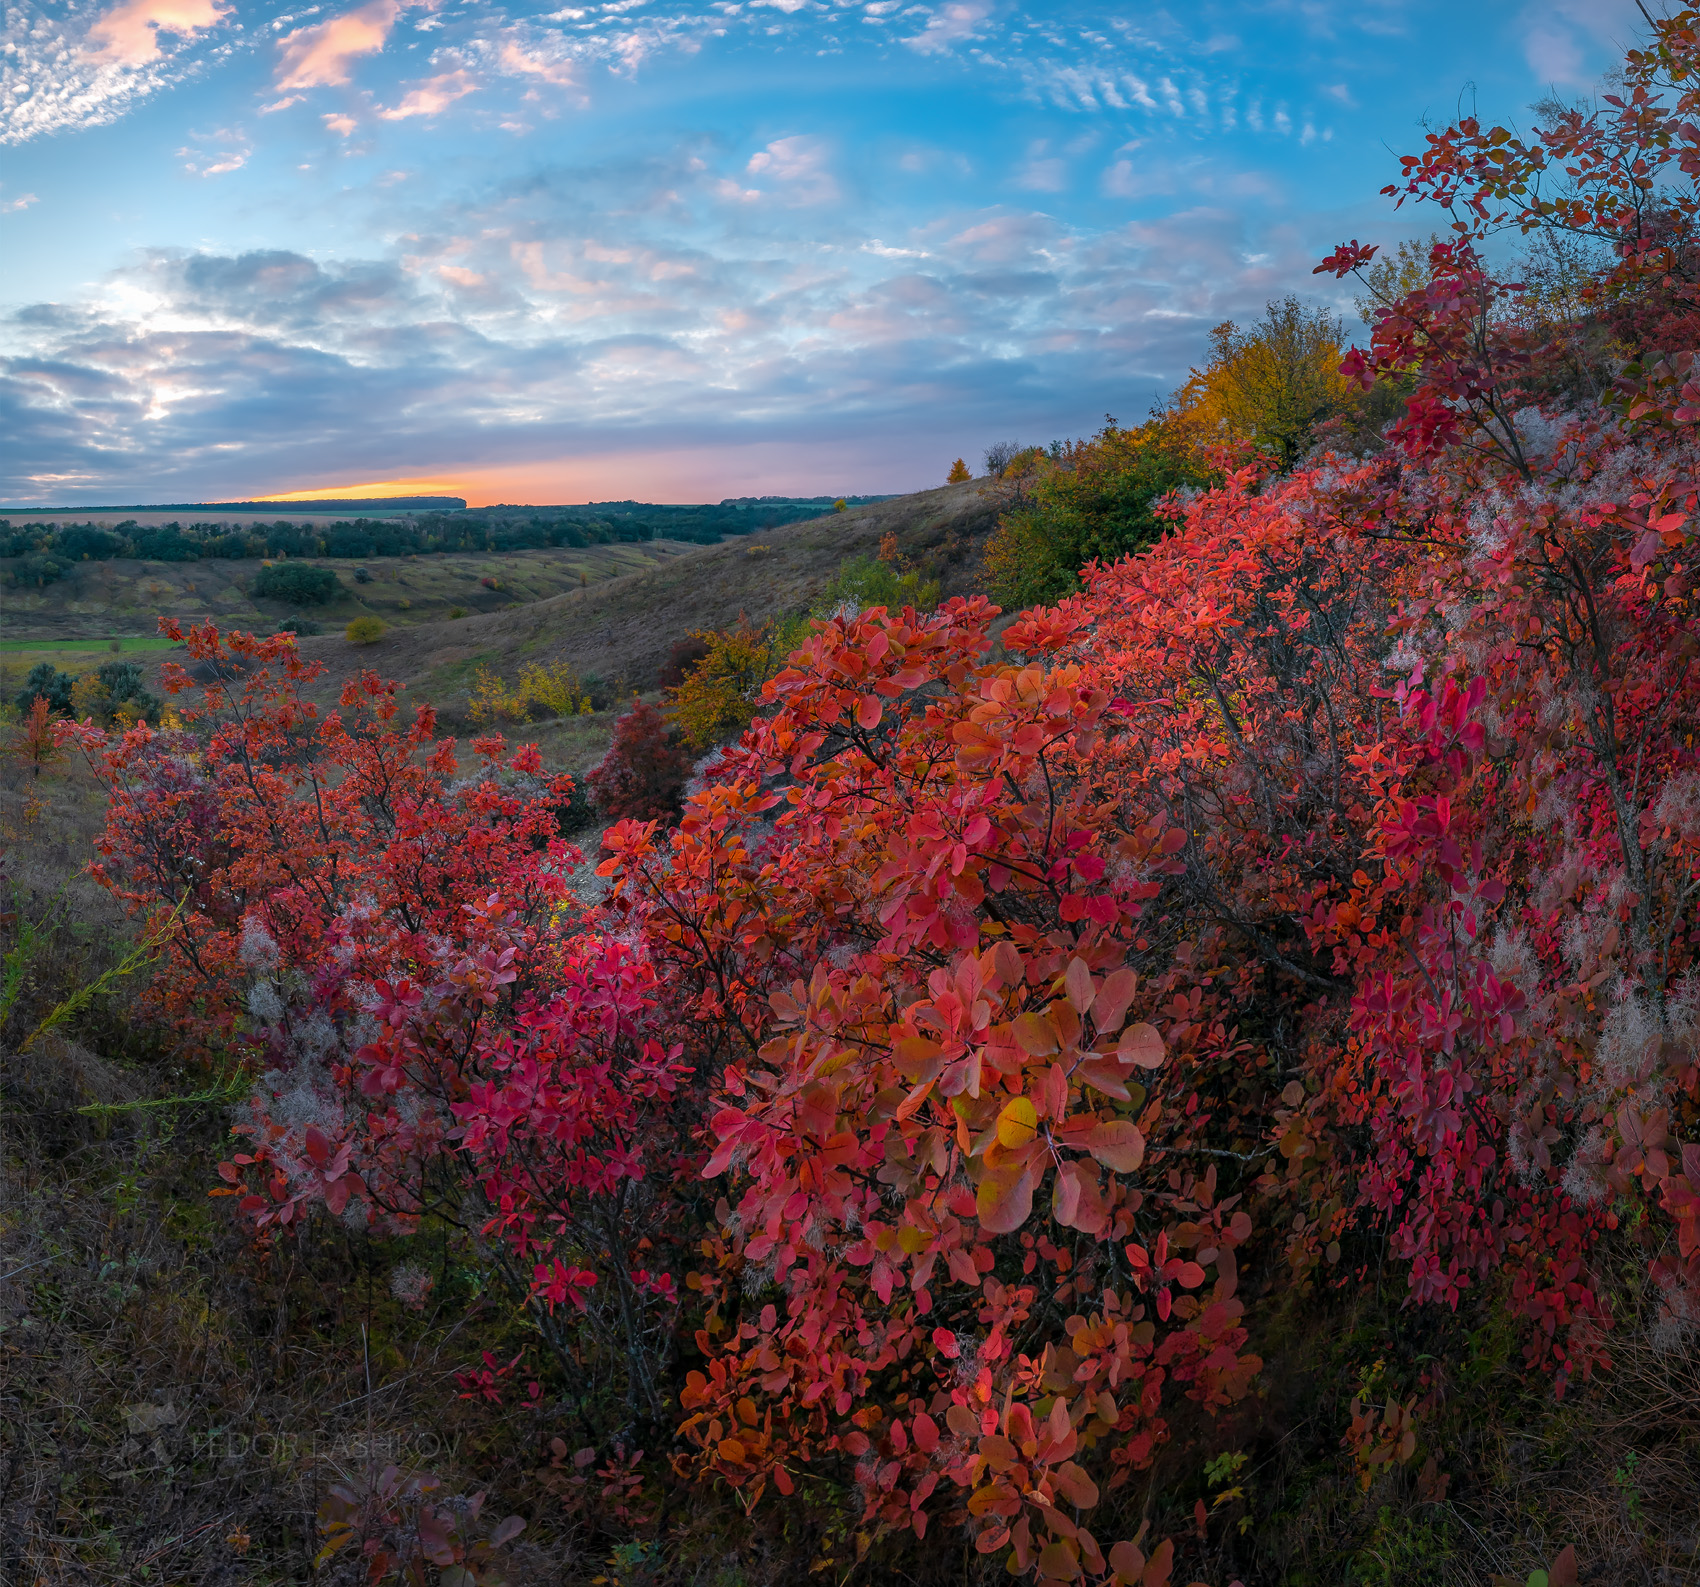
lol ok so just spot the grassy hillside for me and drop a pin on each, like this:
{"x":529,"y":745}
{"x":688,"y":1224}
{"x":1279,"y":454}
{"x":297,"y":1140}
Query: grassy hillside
{"x":609,"y":611}
{"x":127,"y":597}
{"x":622,"y":628}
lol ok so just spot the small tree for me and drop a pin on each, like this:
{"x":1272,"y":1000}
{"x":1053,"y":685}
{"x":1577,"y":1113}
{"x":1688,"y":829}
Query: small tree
{"x":494,"y":700}
{"x":365,"y":631}
{"x":34,"y":743}
{"x":682,"y":655}
{"x":1273,"y":384}
{"x":643,"y":775}
{"x":958,"y":473}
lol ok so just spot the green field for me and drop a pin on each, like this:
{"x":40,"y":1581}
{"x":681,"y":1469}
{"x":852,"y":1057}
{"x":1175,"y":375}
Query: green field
{"x":107,"y":643}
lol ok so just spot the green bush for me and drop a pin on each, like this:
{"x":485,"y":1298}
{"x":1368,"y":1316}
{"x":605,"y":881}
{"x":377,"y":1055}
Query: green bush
{"x":49,"y":682}
{"x":299,"y":583}
{"x":122,"y":681}
{"x":865,"y":581}
{"x":365,"y":631}
{"x":37,"y":567}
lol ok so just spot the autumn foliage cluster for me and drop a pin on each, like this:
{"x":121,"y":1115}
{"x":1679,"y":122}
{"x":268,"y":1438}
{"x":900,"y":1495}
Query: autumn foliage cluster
{"x":1006,"y":1028}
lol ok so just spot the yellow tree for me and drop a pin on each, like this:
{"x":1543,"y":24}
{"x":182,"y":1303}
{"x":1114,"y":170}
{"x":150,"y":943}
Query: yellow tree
{"x":958,"y":473}
{"x":1272,"y":384}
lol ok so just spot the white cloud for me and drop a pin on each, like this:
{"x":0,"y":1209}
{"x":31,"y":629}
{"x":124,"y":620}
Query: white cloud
{"x":948,"y":26}
{"x":82,"y":66}
{"x":216,"y":153}
{"x":547,"y":320}
{"x":13,"y":205}
{"x":1041,"y":171}
{"x":798,"y":169}
{"x":1562,"y":39}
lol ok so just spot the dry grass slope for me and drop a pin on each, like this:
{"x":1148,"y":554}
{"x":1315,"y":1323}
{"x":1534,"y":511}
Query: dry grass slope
{"x":621,"y":628}
{"x":126,"y":596}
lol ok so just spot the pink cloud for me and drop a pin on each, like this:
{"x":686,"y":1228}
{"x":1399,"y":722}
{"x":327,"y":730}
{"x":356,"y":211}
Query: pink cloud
{"x":129,"y":33}
{"x":319,"y":56}
{"x":434,"y":94}
{"x":799,"y":164}
{"x":518,"y":63}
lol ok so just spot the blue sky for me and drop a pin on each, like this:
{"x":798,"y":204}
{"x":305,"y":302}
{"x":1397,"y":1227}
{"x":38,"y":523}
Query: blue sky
{"x":678,"y":251}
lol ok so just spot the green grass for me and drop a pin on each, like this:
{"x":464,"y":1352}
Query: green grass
{"x":123,"y":641}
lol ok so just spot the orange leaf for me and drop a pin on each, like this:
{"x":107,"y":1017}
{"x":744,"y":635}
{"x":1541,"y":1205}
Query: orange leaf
{"x":1140,"y":1044}
{"x":1004,"y":1200}
{"x":911,"y":1104}
{"x":1117,"y":1144}
{"x":1109,"y":1008}
{"x":1127,"y":1561}
{"x":1078,"y":984}
{"x":1037,"y":1037}
{"x":1075,"y":1486}
{"x":1104,"y":1074}
{"x":1057,"y":1562}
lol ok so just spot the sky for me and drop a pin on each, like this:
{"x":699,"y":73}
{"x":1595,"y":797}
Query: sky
{"x":678,"y":251}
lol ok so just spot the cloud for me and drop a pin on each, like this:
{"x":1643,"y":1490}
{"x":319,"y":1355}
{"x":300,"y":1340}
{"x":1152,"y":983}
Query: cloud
{"x":516,"y":61}
{"x":799,"y":168}
{"x":1562,"y":39}
{"x":229,"y":150}
{"x":948,"y":26}
{"x":1041,"y":172}
{"x":433,"y":95}
{"x":129,"y":34}
{"x":340,"y":124}
{"x":321,"y":56}
{"x":76,"y":67}
{"x":13,"y":205}
{"x":546,"y":319}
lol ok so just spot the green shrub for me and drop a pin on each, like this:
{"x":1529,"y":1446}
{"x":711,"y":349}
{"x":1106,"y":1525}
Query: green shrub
{"x":365,"y":631}
{"x":299,"y":625}
{"x":867,"y":581}
{"x":37,"y":567}
{"x":51,"y":684}
{"x":299,"y":583}
{"x":122,"y":681}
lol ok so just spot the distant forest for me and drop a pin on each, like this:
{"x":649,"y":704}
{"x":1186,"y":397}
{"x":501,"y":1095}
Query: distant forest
{"x":41,"y":554}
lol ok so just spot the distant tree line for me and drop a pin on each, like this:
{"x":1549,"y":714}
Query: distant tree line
{"x":33,"y":554}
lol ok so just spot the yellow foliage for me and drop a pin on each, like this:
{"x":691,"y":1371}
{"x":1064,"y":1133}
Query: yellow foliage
{"x":365,"y":631}
{"x":494,"y":701}
{"x":719,"y":694}
{"x":90,"y":697}
{"x":1271,"y":385}
{"x":958,"y":473}
{"x":554,"y":689}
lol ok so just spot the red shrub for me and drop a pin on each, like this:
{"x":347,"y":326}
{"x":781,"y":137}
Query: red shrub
{"x":644,"y":773}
